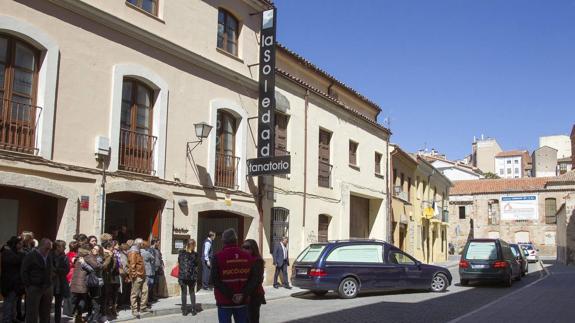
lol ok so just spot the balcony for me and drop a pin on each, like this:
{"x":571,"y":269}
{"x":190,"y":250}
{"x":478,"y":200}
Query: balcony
{"x":136,"y":152}
{"x":324,"y":174}
{"x":18,"y":126}
{"x":399,"y":193}
{"x":281,"y":152}
{"x":226,"y":170}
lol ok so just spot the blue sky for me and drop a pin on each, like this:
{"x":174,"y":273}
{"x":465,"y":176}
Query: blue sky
{"x":447,"y":70}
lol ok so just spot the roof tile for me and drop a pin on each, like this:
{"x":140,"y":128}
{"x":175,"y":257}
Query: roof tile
{"x":484,"y":186}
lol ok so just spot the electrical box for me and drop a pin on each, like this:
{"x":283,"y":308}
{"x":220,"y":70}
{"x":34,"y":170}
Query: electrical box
{"x":102,"y":146}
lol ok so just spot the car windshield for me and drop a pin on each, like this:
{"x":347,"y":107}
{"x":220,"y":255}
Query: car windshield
{"x":311,"y":253}
{"x":481,"y":251}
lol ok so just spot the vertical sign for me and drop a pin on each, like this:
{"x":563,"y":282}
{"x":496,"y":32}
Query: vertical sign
{"x":267,"y":101}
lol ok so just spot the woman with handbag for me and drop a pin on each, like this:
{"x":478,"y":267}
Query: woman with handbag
{"x":257,"y":297}
{"x":95,"y":282}
{"x":60,"y":285}
{"x":188,"y":263}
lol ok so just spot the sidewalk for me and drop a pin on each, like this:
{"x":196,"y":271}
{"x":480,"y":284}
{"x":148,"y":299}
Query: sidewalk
{"x":204,"y":300}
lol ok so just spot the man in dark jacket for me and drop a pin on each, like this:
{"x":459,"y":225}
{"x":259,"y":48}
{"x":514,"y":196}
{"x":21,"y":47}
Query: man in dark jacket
{"x":37,"y":278}
{"x":11,"y":283}
{"x":281,"y":262}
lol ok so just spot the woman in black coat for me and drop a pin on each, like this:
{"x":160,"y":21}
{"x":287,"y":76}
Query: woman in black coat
{"x":61,"y":267}
{"x":257,"y":296}
{"x":188,"y":261}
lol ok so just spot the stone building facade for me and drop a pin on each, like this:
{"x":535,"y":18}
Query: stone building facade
{"x":515,"y":210}
{"x":92,"y":75}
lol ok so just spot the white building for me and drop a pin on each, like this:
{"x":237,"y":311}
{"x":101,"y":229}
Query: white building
{"x":512,"y":164}
{"x":560,"y":142}
{"x":453,"y":170}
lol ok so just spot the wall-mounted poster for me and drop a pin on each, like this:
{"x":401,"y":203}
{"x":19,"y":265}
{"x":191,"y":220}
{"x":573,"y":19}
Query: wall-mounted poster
{"x":519,"y":208}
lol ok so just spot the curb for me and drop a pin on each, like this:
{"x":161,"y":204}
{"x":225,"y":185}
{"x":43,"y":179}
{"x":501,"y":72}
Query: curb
{"x":165,"y":312}
{"x":177,"y":310}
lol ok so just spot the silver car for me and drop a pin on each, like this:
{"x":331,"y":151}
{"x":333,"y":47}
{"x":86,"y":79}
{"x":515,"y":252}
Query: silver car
{"x":531,"y":252}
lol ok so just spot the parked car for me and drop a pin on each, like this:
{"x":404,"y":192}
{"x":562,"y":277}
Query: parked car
{"x":521,"y":256}
{"x":488,"y":260}
{"x":531,"y":250}
{"x":351,"y":266}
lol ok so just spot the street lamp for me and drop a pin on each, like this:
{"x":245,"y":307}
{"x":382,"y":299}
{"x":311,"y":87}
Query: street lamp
{"x":202,"y":132}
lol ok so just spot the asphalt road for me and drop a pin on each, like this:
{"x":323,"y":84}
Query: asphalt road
{"x":378,"y":307}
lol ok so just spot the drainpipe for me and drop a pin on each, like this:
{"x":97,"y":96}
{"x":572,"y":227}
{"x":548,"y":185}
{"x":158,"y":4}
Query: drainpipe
{"x":389,"y":183}
{"x":306,"y":105}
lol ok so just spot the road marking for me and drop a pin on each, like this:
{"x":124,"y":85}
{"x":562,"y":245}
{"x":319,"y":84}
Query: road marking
{"x":541,"y":278}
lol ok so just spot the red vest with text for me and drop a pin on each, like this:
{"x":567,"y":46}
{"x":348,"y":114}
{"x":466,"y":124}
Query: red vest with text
{"x":234,"y":266}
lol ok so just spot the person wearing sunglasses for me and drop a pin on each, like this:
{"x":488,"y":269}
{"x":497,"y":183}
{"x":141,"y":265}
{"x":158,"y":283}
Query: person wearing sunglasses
{"x":257,"y":297}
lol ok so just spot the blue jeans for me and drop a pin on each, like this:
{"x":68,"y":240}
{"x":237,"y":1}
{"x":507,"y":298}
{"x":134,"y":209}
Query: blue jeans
{"x":240,"y":314}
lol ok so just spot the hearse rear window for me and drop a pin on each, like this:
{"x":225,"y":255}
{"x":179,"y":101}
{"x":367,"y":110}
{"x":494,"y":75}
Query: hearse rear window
{"x":311,"y":253}
{"x":481,"y":251}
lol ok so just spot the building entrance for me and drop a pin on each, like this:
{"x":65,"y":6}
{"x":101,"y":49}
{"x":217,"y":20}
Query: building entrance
{"x":140,"y":214}
{"x":24,"y":210}
{"x":218,"y":221}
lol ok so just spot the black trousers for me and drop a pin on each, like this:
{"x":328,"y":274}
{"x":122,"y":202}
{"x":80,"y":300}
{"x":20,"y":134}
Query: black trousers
{"x":254,"y":310}
{"x":58,"y":308}
{"x":185,"y":287}
{"x":283,"y":271}
{"x":205,"y":275}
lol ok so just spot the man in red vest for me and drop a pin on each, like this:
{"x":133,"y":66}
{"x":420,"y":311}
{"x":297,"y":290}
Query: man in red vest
{"x":232,"y":281}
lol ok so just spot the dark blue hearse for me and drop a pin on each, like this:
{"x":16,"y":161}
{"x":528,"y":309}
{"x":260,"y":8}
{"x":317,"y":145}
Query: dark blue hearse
{"x":351,"y":266}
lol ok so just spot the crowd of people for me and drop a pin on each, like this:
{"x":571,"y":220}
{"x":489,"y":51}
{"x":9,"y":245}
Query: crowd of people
{"x":83,"y":279}
{"x":90,"y":281}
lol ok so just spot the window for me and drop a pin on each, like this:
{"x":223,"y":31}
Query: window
{"x":409,"y":189}
{"x":353,"y":153}
{"x":136,"y":140}
{"x":323,"y":228}
{"x":400,"y":258}
{"x":493,"y":212}
{"x":149,"y":6}
{"x":481,"y":251}
{"x":324,"y":167}
{"x":227,"y":32}
{"x":311,"y":253}
{"x":281,"y":122}
{"x":279,"y":225}
{"x":378,"y":163}
{"x":226,"y":161}
{"x":508,"y":170}
{"x":517,"y":170}
{"x":509,"y":161}
{"x":368,"y":253}
{"x":501,"y":172}
{"x":18,"y":82}
{"x":516,"y":161}
{"x":462,"y":212}
{"x":550,"y":211}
